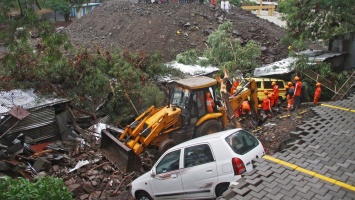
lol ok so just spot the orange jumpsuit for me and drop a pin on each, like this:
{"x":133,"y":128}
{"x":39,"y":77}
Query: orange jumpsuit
{"x":210,"y":104}
{"x":317,"y":95}
{"x":234,"y":87}
{"x":245,"y":107}
{"x":297,"y":94}
{"x":276,"y":94}
{"x":266,"y":105}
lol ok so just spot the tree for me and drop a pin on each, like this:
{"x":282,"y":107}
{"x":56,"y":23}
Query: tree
{"x":318,"y":19}
{"x":225,"y":51}
{"x":61,"y":6}
{"x":51,"y":66}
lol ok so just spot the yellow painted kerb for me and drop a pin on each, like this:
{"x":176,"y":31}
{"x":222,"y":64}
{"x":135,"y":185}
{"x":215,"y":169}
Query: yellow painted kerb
{"x":337,"y":107}
{"x":312,"y":173}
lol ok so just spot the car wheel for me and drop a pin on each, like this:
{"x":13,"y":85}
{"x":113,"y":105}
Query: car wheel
{"x":165,"y":145}
{"x":221,"y":188}
{"x":208,"y":127}
{"x":144,"y":196}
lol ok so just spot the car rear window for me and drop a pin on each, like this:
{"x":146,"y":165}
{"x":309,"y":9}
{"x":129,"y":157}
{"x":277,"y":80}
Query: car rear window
{"x":242,"y":142}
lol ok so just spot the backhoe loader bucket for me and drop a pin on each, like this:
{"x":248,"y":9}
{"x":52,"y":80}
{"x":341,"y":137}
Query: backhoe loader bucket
{"x":118,"y":153}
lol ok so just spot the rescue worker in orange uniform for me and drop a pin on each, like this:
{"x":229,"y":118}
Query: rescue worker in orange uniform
{"x":234,"y":87}
{"x":276,"y":92}
{"x":246,"y":107}
{"x":297,"y":93}
{"x":209,"y":102}
{"x":289,"y":95}
{"x":267,"y":105}
{"x":317,"y":94}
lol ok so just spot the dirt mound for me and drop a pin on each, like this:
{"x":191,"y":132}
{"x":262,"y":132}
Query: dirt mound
{"x":153,"y":28}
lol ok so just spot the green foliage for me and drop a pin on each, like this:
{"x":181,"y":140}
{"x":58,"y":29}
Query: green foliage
{"x":61,"y":6}
{"x":43,"y":188}
{"x":318,"y":19}
{"x":189,"y":57}
{"x":227,"y":51}
{"x":52,"y":66}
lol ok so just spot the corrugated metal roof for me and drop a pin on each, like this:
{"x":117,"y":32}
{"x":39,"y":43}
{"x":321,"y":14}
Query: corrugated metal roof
{"x":280,"y":67}
{"x":25,"y":98}
{"x":286,"y":65}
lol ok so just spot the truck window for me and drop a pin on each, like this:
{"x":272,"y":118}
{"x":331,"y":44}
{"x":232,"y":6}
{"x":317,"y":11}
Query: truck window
{"x":267,"y":85}
{"x":169,"y":163}
{"x":280,"y":84}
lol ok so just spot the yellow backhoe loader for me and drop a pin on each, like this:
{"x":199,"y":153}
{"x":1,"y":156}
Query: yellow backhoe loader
{"x":184,"y":118}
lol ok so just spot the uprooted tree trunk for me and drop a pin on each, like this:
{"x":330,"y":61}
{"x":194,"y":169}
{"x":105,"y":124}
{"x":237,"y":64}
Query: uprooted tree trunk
{"x":225,"y":99}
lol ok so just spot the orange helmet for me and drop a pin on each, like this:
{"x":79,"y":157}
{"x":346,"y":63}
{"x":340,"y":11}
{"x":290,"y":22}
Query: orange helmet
{"x":297,"y":78}
{"x":266,"y":92}
{"x":289,"y":83}
{"x":208,"y":95}
{"x":318,"y":84}
{"x":286,"y":87}
{"x":273,"y":83}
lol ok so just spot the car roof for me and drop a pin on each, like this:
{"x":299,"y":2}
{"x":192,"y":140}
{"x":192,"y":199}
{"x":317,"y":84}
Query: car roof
{"x":267,"y":79}
{"x":199,"y":82}
{"x":221,"y":134}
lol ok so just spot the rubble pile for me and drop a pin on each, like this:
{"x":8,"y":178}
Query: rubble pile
{"x":77,"y":161}
{"x":170,"y":28}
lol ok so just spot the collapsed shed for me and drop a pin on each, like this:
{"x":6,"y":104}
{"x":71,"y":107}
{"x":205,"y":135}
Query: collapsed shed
{"x":37,"y":118}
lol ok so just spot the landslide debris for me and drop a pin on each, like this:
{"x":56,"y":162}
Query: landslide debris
{"x":153,"y":28}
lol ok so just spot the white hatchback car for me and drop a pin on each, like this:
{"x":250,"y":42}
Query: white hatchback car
{"x":200,"y":168}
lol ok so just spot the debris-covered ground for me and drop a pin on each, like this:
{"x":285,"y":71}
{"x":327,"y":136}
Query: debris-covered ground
{"x":89,"y":175}
{"x":151,"y":28}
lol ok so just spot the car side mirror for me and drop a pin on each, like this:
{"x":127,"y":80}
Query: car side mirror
{"x":152,"y":173}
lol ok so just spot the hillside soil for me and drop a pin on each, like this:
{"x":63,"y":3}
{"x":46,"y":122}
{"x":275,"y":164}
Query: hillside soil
{"x":153,"y":28}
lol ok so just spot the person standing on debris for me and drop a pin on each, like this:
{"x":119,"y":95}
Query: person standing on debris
{"x":222,"y":5}
{"x":297,"y":93}
{"x":317,"y":94}
{"x":289,"y":95}
{"x":227,"y":6}
{"x":210,"y":102}
{"x":275,"y":92}
{"x":213,"y":2}
{"x":267,"y":105}
{"x":234,"y":86}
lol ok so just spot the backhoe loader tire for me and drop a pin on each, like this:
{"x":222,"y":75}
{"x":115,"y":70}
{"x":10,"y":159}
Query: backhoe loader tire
{"x":208,"y":127}
{"x":165,"y":145}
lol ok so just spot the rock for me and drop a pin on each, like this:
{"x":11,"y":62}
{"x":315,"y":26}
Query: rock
{"x":69,"y":182}
{"x":269,"y":60}
{"x":55,"y":168}
{"x":73,"y":187}
{"x":84,"y":196}
{"x":88,"y":187}
{"x":263,"y":48}
{"x":96,"y":195}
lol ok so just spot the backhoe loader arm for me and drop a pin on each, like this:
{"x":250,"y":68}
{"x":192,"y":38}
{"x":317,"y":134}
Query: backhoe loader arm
{"x":248,"y":90}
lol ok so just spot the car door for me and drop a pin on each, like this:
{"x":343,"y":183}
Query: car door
{"x":166,"y":183}
{"x":199,"y":172}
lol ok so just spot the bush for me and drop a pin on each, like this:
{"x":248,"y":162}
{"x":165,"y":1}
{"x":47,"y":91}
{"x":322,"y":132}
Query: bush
{"x":42,"y":188}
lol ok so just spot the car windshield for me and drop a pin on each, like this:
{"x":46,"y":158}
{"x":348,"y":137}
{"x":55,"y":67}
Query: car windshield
{"x":242,"y":142}
{"x":180,"y":96}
